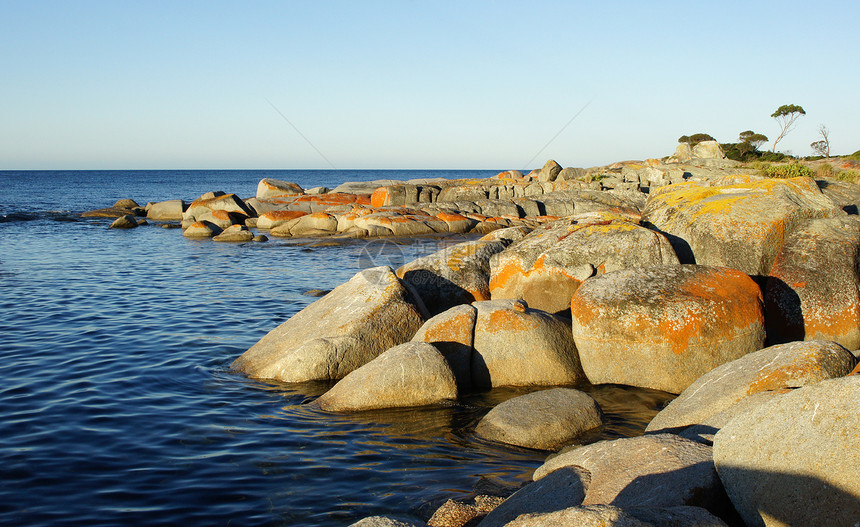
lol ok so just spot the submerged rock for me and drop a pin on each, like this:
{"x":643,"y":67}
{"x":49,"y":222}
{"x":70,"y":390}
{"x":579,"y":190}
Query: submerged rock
{"x":201,"y":229}
{"x":338,"y":333}
{"x":124,"y":222}
{"x":235,"y":234}
{"x":544,"y":420}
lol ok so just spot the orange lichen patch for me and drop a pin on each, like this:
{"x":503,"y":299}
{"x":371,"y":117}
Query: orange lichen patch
{"x":831,"y":325}
{"x":200,"y":202}
{"x":653,"y":162}
{"x":320,"y":216}
{"x":505,"y":320}
{"x":294,"y":189}
{"x":680,"y":334}
{"x":798,"y":285}
{"x":534,"y":173}
{"x":782,"y":377}
{"x":504,"y":273}
{"x":545,"y":219}
{"x":721,"y":286}
{"x":856,"y":370}
{"x":287,"y":215}
{"x":380,"y":197}
{"x":221,"y":215}
{"x":336,"y":198}
{"x":455,"y":329}
{"x":450,"y":216}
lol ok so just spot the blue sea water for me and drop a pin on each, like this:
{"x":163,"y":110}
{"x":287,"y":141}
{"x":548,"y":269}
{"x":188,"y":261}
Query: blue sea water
{"x":117,"y":404}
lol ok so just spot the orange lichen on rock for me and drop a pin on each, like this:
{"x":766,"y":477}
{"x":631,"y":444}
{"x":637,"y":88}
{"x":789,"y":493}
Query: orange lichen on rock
{"x":455,"y":329}
{"x":287,"y":215}
{"x":380,"y":197}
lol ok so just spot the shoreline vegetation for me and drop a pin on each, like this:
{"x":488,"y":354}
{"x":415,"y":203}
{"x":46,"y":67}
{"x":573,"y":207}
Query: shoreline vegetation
{"x":732,"y":285}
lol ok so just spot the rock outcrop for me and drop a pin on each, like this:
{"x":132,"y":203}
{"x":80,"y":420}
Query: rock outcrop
{"x":338,"y":333}
{"x":740,"y":226}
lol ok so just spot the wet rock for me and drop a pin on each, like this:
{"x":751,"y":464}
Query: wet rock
{"x":586,"y":516}
{"x":338,"y":333}
{"x":170,"y":210}
{"x":124,"y":222}
{"x":201,"y":229}
{"x":812,"y":290}
{"x":661,"y":470}
{"x":783,"y":366}
{"x":260,"y":238}
{"x":793,"y":461}
{"x":411,"y":374}
{"x":234,"y":234}
{"x":455,"y":275}
{"x":113,"y":212}
{"x":557,"y":491}
{"x":740,"y":226}
{"x":544,"y":420}
{"x":546,"y":267}
{"x":270,"y":188}
{"x":126,"y":204}
{"x":664,"y":327}
{"x":518,"y":346}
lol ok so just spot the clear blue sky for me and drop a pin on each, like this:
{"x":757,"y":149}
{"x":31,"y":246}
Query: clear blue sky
{"x":408,"y":84}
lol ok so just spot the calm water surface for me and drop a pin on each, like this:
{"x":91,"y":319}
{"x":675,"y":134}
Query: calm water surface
{"x":117,"y":404}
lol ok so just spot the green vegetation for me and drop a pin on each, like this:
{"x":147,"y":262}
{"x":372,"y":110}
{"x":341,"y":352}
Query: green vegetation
{"x":825,"y":170}
{"x":786,"y":115}
{"x":695,"y":139}
{"x":850,"y":176}
{"x":790,"y":170}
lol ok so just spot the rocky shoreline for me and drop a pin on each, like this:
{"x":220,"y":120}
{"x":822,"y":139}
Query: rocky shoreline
{"x":691,"y":275}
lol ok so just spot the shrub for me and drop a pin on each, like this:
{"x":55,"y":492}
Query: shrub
{"x":850,"y":176}
{"x":790,"y":170}
{"x":760,"y":166}
{"x":825,"y":170}
{"x":695,"y":139}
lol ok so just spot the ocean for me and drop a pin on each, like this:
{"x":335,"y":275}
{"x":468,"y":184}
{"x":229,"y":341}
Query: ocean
{"x":117,"y":403}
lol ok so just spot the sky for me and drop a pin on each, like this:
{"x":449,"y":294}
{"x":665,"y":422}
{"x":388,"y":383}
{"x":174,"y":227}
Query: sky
{"x":413,"y":84}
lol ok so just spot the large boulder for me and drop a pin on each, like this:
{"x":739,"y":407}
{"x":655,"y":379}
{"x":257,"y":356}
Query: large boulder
{"x":550,"y":171}
{"x":544,"y":420}
{"x":741,"y":226}
{"x":782,"y":366}
{"x":276,"y":218}
{"x":216,"y":201}
{"x":546,"y":267}
{"x":411,"y":374}
{"x":270,"y":188}
{"x":813,"y":290}
{"x":338,"y":333}
{"x":708,"y":150}
{"x":453,"y":334}
{"x":662,"y":470}
{"x":201,"y":229}
{"x":793,"y":460}
{"x":518,"y":346}
{"x":170,"y":210}
{"x":664,"y":327}
{"x":455,"y":275}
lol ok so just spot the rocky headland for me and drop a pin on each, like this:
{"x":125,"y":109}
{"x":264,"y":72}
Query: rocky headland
{"x":692,"y":275}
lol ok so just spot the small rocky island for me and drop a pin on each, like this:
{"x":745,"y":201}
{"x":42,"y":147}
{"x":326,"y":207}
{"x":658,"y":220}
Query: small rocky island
{"x":692,"y":275}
